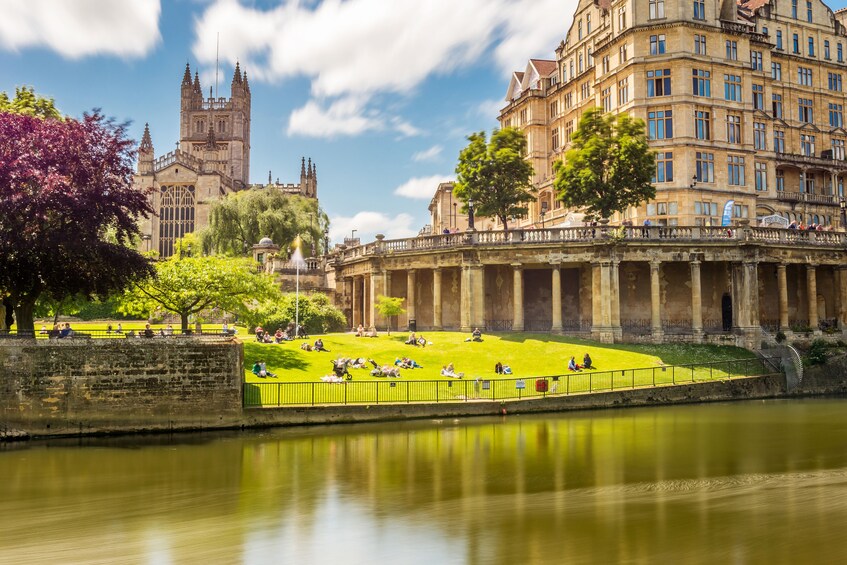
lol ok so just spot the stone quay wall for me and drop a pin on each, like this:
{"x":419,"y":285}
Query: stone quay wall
{"x":85,"y":386}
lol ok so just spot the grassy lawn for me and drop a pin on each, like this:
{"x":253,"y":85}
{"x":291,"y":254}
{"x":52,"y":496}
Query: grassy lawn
{"x":529,"y":355}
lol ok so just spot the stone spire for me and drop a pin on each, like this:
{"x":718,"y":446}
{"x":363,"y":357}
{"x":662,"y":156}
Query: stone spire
{"x":309,"y":169}
{"x":146,"y":142}
{"x":269,"y":178}
{"x":302,"y":166}
{"x":246,"y":84}
{"x":186,"y":78}
{"x":197,"y":88}
{"x":236,"y":76}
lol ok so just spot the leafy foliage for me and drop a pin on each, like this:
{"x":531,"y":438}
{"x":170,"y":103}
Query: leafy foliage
{"x":189,"y":285}
{"x":63,"y":185}
{"x":817,"y":352}
{"x":495,"y":175}
{"x":609,"y":166}
{"x":317,"y":314}
{"x":243,"y":218}
{"x":389,"y":306}
{"x":26,"y":102}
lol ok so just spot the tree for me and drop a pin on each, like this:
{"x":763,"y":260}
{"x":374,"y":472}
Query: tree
{"x":317,"y":314}
{"x":65,"y":183}
{"x":188,"y":285}
{"x":243,"y":218}
{"x":389,"y":306}
{"x":609,"y":166}
{"x":495,"y":175}
{"x":28,"y":103}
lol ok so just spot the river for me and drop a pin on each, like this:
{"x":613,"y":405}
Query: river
{"x":743,"y":482}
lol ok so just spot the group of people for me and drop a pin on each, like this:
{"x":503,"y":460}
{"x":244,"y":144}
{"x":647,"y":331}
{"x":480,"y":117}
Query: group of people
{"x":811,"y":227}
{"x":586,"y":363}
{"x":261,"y":370}
{"x":370,"y":332}
{"x":319,"y":346}
{"x":449,"y":370}
{"x":406,"y":363}
{"x":502,"y":369}
{"x":288,"y":334}
{"x":416,"y":340}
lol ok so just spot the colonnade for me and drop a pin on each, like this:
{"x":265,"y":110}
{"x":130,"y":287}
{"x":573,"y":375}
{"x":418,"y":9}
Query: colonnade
{"x":742,"y":285}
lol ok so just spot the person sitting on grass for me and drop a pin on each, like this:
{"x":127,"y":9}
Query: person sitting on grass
{"x":498,"y":368}
{"x":476,"y":335}
{"x":372,"y":332}
{"x":265,"y":370}
{"x":279,"y":337}
{"x":319,"y":345}
{"x":586,"y":362}
{"x":259,"y":371}
{"x":260,"y":334}
{"x":572,"y":365}
{"x":413,"y":340}
{"x":450,"y":371}
{"x":360,"y":331}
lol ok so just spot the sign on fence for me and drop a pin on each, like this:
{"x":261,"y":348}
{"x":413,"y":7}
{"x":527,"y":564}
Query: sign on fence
{"x":520,"y":383}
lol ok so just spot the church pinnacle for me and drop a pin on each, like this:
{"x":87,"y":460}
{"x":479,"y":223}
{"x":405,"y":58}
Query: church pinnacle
{"x":186,"y":78}
{"x":236,"y":76}
{"x":146,"y":142}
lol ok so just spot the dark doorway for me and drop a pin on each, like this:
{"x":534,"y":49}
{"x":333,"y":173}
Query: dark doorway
{"x":726,"y":311}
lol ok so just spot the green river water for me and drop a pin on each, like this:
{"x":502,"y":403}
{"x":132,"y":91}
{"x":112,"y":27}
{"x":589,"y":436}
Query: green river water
{"x":744,"y":482}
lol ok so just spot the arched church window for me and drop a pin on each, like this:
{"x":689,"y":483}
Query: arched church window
{"x":221,"y":126}
{"x":176,"y":216}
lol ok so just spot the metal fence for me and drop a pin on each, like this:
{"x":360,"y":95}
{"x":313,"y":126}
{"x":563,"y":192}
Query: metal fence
{"x":392,"y":391}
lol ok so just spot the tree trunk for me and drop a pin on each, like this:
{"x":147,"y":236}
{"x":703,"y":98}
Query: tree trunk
{"x":505,"y":226}
{"x":24,"y":315}
{"x":183,"y":319}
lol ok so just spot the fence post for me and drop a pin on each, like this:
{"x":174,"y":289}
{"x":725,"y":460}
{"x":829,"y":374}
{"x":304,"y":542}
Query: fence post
{"x":590,"y":383}
{"x":612,"y":380}
{"x":654,"y":376}
{"x":377,"y":391}
{"x":313,"y":394}
{"x":345,"y":392}
{"x":567,"y":385}
{"x":407,"y":391}
{"x":633,"y":378}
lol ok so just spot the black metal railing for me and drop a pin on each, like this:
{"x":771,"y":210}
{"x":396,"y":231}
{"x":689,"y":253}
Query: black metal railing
{"x":393,"y":391}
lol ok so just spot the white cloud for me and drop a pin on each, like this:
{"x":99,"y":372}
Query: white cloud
{"x":78,"y":28}
{"x":430,"y":154}
{"x":368,"y":224}
{"x":421,"y":188}
{"x":361,"y":48}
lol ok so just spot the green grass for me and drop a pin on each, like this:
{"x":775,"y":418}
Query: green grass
{"x":529,"y":355}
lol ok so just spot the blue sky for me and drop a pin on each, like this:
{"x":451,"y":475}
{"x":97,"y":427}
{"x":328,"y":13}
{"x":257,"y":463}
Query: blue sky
{"x":379,"y":93}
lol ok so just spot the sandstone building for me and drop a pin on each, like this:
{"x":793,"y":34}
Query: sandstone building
{"x":211,"y":160}
{"x":744,"y":101}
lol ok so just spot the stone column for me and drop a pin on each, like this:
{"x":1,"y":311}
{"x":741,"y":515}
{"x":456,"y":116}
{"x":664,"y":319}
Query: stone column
{"x":696,"y":302}
{"x":371,"y":299}
{"x":812,"y":291}
{"x":656,"y":301}
{"x":616,"y":300}
{"x":517,"y":299}
{"x":353,"y":313}
{"x":841,"y":293}
{"x":596,"y":302}
{"x":782,"y":283}
{"x":557,"y":299}
{"x":436,"y":299}
{"x":605,"y":293}
{"x":465,"y":302}
{"x":478,"y":296}
{"x":377,"y":289}
{"x":410,"y":294}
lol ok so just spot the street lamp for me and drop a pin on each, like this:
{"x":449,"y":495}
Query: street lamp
{"x":297,"y":259}
{"x":146,"y":237}
{"x":843,"y":206}
{"x":470,"y":214}
{"x":542,"y":217}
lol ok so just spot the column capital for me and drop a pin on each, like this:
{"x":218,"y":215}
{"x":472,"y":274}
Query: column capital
{"x":655,"y":264}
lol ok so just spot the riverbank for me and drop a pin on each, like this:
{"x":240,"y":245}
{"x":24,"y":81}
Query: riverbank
{"x":194,"y":386}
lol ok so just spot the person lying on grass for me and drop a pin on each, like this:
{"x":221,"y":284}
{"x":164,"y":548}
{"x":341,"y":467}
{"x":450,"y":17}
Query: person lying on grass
{"x":406,"y":363}
{"x":450,"y":371}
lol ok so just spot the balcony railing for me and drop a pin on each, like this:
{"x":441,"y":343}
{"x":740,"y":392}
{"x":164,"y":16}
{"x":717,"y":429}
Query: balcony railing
{"x":619,"y":235}
{"x":807,"y":197}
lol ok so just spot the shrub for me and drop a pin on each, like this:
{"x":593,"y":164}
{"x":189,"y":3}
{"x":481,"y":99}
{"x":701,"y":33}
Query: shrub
{"x":317,"y":314}
{"x":817,"y":352}
{"x":780,"y":337}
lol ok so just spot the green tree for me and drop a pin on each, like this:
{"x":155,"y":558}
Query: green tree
{"x":243,"y":218}
{"x":317,"y":314}
{"x":495,"y":175}
{"x":28,"y":103}
{"x":188,"y":285}
{"x":609,"y":166}
{"x":389,"y":306}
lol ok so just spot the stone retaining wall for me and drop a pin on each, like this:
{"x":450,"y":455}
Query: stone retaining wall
{"x":90,"y":386}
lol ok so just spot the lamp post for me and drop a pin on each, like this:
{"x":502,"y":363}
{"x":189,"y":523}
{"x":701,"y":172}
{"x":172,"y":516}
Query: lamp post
{"x":454,"y":218}
{"x":147,"y":237}
{"x":326,"y":241}
{"x":470,"y":214}
{"x":542,"y":217}
{"x":843,"y":205}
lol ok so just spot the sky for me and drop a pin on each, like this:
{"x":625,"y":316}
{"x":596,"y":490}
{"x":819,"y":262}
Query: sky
{"x":381,"y":94}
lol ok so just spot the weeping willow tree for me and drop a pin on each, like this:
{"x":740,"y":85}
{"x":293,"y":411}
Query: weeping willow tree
{"x":240,"y":220}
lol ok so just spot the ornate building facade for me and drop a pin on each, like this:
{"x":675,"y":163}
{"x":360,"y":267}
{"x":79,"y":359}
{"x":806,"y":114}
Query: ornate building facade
{"x":743,"y":101}
{"x":211,"y":160}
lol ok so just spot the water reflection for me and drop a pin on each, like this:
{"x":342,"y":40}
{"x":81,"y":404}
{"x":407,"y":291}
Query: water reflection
{"x":741,"y":482}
